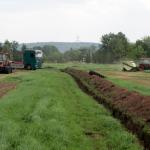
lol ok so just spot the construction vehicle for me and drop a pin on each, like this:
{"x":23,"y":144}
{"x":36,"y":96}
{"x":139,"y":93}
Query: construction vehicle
{"x":130,"y":66}
{"x":5,"y":63}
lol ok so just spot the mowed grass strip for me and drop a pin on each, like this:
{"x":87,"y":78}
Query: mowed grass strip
{"x":47,"y":111}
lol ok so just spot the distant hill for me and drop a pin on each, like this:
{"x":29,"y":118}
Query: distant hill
{"x":63,"y":46}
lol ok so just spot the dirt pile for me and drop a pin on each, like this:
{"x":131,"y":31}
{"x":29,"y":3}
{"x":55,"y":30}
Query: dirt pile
{"x":132,"y":108}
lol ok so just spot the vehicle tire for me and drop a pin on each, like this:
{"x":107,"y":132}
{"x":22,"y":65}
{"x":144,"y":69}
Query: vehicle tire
{"x":8,"y":70}
{"x":28,"y":67}
{"x":34,"y":69}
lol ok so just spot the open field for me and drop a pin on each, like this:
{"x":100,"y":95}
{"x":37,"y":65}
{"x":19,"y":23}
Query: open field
{"x":134,"y":81}
{"x":47,"y":110}
{"x":130,"y":107}
{"x":14,"y":74}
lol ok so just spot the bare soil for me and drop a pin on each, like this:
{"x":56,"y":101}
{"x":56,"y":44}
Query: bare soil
{"x":6,"y":87}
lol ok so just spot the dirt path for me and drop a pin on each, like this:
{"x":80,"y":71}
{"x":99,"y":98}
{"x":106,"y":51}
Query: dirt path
{"x":5,"y":87}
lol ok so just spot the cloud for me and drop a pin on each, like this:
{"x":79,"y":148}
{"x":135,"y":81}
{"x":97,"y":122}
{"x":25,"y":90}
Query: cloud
{"x":63,"y":20}
{"x":146,"y":4}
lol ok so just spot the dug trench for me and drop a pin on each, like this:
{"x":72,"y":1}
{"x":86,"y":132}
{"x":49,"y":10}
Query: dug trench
{"x":131,"y":108}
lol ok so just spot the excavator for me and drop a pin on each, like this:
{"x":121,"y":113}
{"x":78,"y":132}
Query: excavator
{"x":131,"y":66}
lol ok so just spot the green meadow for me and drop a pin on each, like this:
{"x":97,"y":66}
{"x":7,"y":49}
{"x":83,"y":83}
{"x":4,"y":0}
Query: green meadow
{"x":47,"y":111}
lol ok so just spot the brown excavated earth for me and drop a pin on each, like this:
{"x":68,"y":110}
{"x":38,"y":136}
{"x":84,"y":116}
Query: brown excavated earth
{"x":129,"y":101}
{"x":132,"y":102}
{"x":132,"y":108}
{"x":5,"y":87}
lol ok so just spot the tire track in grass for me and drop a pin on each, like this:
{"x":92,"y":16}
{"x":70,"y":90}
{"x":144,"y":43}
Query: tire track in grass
{"x":49,"y":111}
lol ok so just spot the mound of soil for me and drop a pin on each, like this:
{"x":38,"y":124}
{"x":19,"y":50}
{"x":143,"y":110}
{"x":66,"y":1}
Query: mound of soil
{"x":132,"y":108}
{"x":5,"y":87}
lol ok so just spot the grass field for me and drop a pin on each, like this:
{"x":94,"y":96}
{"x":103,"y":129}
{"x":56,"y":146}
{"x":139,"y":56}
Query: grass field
{"x":14,"y":74}
{"x":47,"y":111}
{"x":134,"y":81}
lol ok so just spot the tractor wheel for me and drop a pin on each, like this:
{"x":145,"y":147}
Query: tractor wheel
{"x":34,"y":69}
{"x":8,"y":70}
{"x":11,"y":70}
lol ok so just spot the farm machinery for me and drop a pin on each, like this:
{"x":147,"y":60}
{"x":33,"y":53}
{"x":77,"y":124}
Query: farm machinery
{"x":131,"y":66}
{"x":5,"y":63}
{"x":144,"y":64}
{"x":30,"y":60}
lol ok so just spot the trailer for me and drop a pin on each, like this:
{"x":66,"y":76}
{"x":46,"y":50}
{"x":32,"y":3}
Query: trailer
{"x":144,"y":64}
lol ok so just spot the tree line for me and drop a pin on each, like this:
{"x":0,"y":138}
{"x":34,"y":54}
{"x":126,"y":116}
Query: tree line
{"x":112,"y":48}
{"x":116,"y":47}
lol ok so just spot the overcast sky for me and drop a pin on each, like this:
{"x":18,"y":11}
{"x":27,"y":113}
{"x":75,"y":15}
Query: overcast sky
{"x":65,"y":20}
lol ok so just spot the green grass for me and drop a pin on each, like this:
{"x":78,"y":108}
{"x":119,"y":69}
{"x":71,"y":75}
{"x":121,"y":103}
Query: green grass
{"x":85,"y":66}
{"x":113,"y":69}
{"x":47,"y":111}
{"x":131,"y":86}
